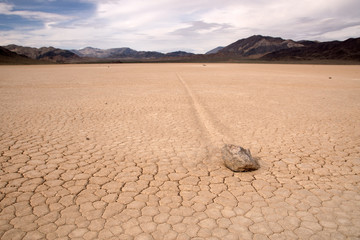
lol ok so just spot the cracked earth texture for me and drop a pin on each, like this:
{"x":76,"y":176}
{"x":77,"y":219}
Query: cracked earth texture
{"x":132,"y":151}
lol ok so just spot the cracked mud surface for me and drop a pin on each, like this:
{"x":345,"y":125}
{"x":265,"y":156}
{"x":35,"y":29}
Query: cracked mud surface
{"x":133,"y":151}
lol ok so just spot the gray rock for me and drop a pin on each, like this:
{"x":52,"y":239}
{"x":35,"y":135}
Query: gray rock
{"x":238,"y":159}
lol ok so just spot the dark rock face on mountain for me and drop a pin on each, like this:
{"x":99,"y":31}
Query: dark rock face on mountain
{"x":58,"y":55}
{"x":7,"y":53}
{"x":335,"y":50}
{"x":215,"y":50}
{"x":45,"y":53}
{"x":9,"y":57}
{"x":256,"y":46}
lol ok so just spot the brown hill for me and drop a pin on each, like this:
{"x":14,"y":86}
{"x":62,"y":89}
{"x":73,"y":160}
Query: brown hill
{"x":335,"y":50}
{"x":45,"y":53}
{"x":256,"y":47}
{"x":9,"y":57}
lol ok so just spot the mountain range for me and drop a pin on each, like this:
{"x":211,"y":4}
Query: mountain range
{"x":126,"y":53}
{"x":50,"y":54}
{"x":254,"y":48}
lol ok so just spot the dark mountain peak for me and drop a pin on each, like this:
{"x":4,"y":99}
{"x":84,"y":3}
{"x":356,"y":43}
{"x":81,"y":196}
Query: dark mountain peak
{"x":123,"y":50}
{"x":11,"y":46}
{"x":7,"y":53}
{"x":257,"y":46}
{"x":259,"y":37}
{"x":353,"y":41}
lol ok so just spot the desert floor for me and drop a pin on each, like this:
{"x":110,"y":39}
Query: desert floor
{"x":132,"y":151}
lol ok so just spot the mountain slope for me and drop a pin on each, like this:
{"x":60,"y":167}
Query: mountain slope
{"x":215,"y":50}
{"x":335,"y":50}
{"x":9,"y":57}
{"x":256,"y":46}
{"x":45,"y":53}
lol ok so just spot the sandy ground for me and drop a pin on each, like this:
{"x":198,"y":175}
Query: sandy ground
{"x":132,"y":151}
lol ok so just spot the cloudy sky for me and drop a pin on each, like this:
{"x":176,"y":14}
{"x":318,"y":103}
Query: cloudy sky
{"x":169,"y":25}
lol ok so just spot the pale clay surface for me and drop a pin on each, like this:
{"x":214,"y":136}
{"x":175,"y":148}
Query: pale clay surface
{"x":133,"y":151}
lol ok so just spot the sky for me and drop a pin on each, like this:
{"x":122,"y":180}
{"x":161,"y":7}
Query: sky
{"x":169,"y":25}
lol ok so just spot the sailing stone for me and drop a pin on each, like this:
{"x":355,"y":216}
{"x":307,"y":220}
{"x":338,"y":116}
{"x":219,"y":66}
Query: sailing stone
{"x":238,"y":159}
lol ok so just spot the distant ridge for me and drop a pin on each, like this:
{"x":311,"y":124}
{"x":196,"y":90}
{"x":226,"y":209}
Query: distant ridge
{"x":9,"y":57}
{"x":254,"y":48}
{"x":126,"y":53}
{"x":45,"y":53}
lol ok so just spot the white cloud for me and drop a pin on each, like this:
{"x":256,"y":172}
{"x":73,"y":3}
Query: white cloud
{"x":341,"y":34}
{"x":199,"y":25}
{"x":5,"y":8}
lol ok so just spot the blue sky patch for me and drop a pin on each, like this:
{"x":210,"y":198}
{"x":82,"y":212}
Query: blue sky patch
{"x":9,"y":22}
{"x":64,"y":7}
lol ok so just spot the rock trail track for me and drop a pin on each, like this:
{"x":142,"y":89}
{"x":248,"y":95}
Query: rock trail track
{"x":212,"y":137}
{"x":204,"y":119}
{"x":131,"y":151}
